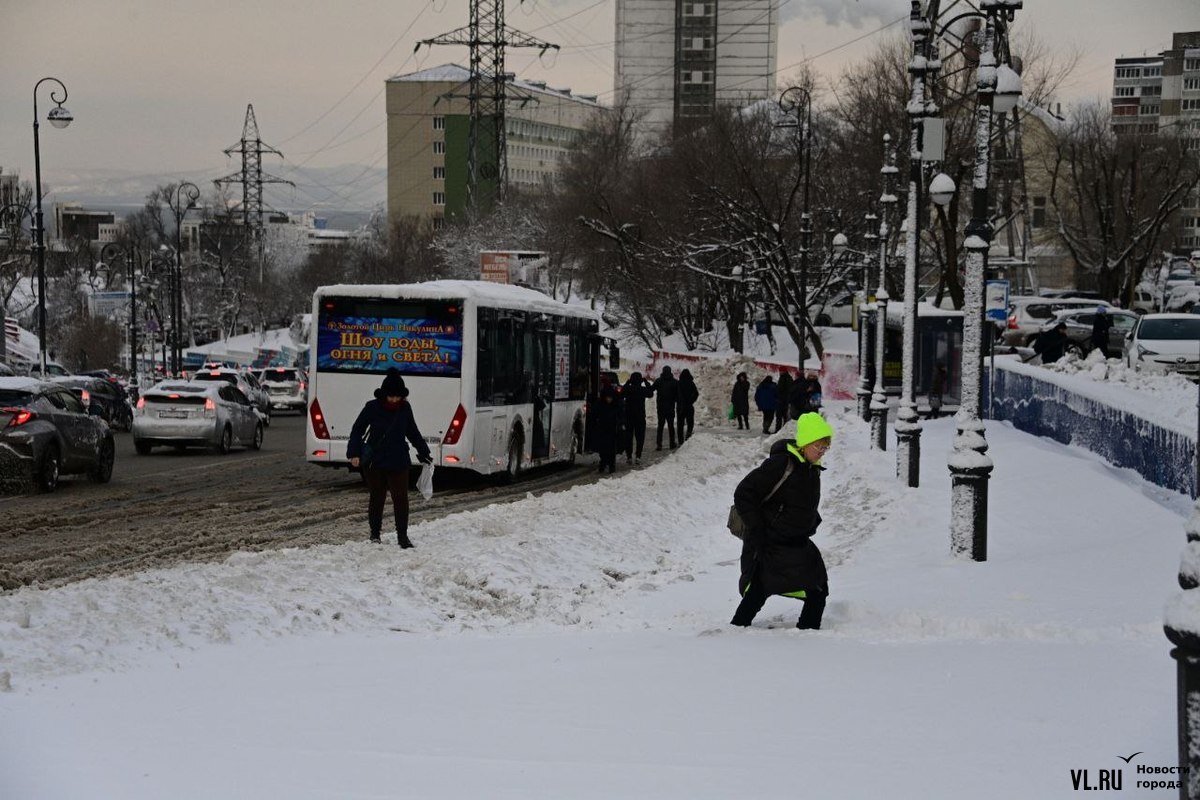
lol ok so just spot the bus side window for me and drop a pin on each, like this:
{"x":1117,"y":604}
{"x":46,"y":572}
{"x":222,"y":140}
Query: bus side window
{"x":485,"y":370}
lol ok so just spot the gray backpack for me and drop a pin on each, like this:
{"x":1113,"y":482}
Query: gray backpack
{"x":736,"y":524}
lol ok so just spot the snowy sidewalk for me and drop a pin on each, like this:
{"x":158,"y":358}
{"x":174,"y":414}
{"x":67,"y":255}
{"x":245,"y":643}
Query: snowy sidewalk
{"x":576,"y":645}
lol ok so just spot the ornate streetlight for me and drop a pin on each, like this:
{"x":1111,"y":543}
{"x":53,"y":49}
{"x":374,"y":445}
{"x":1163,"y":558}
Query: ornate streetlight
{"x":59,"y":117}
{"x":188,"y":190}
{"x":797,"y":101}
{"x":970,"y":466}
{"x":887,"y":203}
{"x":841,"y":248}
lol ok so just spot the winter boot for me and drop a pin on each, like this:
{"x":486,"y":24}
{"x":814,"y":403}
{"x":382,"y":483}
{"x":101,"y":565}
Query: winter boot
{"x":814,"y":609}
{"x":402,"y":532}
{"x":375,"y":524}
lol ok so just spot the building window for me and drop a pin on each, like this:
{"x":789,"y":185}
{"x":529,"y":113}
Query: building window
{"x":439,"y":173}
{"x":439,"y":148}
{"x":1191,"y":84}
{"x":1148,"y":91}
{"x":1153,"y":72}
{"x":1129,"y":72}
{"x":439,"y":123}
{"x":1147,"y":111}
{"x":1124,"y":91}
{"x":1125,"y":111}
{"x":1039,"y":212}
{"x":439,"y":223}
{"x":1191,"y":64}
{"x":439,"y":198}
{"x":1191,"y":105}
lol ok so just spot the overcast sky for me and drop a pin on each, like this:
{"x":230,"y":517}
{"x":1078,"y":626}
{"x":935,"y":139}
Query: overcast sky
{"x":162,"y":85}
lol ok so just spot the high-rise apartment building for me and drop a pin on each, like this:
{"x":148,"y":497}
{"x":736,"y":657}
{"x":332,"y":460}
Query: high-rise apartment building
{"x":678,"y":60}
{"x":1157,"y":92}
{"x":427,"y":129}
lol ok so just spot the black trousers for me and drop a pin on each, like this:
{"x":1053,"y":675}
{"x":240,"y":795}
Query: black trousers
{"x":768,"y":418}
{"x":666,"y":420}
{"x":755,"y":598}
{"x":379,"y":483}
{"x":635,"y":433}
{"x":685,"y":421}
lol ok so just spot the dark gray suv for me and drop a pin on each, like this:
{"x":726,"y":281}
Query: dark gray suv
{"x":45,"y":433}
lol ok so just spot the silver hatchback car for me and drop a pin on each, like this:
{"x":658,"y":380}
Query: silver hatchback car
{"x":211,"y":414}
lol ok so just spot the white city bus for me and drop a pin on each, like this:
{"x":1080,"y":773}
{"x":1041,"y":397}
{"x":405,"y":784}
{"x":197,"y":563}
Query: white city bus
{"x":497,"y":375}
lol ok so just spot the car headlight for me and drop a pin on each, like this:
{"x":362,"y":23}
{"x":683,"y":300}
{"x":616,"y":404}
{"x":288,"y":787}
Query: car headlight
{"x":1143,"y":351}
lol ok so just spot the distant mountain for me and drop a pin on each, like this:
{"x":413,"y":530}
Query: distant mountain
{"x":351,"y":188}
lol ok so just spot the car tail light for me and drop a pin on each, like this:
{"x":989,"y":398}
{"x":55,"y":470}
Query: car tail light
{"x":320,"y":430}
{"x":456,"y":426}
{"x":19,"y":416}
{"x":141,"y":405}
{"x":210,"y":407}
{"x":86,"y":397}
{"x":1012,"y":322}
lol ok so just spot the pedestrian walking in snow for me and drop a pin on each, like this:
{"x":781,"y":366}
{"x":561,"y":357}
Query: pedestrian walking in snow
{"x":739,"y":398}
{"x":379,"y":447}
{"x":936,"y":390}
{"x":783,"y":391}
{"x":686,"y":411}
{"x":666,"y":399}
{"x":636,"y":392}
{"x":1101,"y":324}
{"x":608,"y":428}
{"x":1052,"y":344}
{"x":764,"y":398}
{"x":778,"y":503}
{"x":805,"y":396}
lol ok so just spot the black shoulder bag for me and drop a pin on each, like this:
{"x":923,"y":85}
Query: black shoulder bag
{"x":735,"y":523}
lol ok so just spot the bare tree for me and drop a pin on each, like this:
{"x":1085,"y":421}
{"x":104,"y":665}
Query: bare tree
{"x":1114,"y":196}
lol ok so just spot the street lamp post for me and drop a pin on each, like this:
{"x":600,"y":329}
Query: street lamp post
{"x":970,"y":466}
{"x":59,"y":117}
{"x":106,"y":252}
{"x":866,"y":314}
{"x":923,"y":66}
{"x":796,"y":100}
{"x":192,"y":193}
{"x":887,"y":203}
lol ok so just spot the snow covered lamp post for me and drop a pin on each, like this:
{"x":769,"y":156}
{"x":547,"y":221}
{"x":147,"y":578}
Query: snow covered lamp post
{"x":866,"y":310}
{"x":59,"y":117}
{"x":922,"y":70}
{"x":970,"y":466}
{"x":796,"y":100}
{"x":887,"y":202}
{"x":1182,"y":627}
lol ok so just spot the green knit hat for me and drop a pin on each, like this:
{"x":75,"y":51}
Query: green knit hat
{"x":811,"y":427}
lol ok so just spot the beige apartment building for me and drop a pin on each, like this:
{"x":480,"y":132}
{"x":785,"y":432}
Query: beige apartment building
{"x":427,"y":130}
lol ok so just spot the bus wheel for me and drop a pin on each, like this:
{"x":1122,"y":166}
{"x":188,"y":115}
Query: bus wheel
{"x":515,"y":446}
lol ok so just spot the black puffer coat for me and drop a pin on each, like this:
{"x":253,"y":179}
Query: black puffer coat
{"x":778,"y":548}
{"x":386,"y":431}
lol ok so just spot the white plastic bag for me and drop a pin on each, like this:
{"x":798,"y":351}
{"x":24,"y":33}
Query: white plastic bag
{"x":425,"y":481}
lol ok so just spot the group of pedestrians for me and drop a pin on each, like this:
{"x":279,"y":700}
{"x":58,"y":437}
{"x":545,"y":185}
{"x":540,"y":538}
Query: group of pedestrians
{"x":777,"y":401}
{"x":1052,"y":345}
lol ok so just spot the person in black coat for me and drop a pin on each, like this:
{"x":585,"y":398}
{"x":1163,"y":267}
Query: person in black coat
{"x":1101,"y":324}
{"x":805,"y":396}
{"x":686,"y":413}
{"x":783,"y":392}
{"x":379,"y":447}
{"x":778,"y":555}
{"x":666,"y":397}
{"x":608,"y":428}
{"x":636,"y":392}
{"x":739,"y":398}
{"x":764,"y":398}
{"x":1052,"y":344}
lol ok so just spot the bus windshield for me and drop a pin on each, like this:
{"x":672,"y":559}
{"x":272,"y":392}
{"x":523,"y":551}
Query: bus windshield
{"x":368,"y":335}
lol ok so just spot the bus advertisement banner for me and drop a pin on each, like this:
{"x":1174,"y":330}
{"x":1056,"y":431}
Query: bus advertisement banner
{"x":415,"y":346}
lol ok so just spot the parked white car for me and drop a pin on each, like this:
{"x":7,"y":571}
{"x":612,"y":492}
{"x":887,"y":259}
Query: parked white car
{"x":1165,"y":343}
{"x":189,"y":414}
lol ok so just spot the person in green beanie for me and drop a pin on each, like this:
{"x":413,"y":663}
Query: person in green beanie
{"x":778,"y":502}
